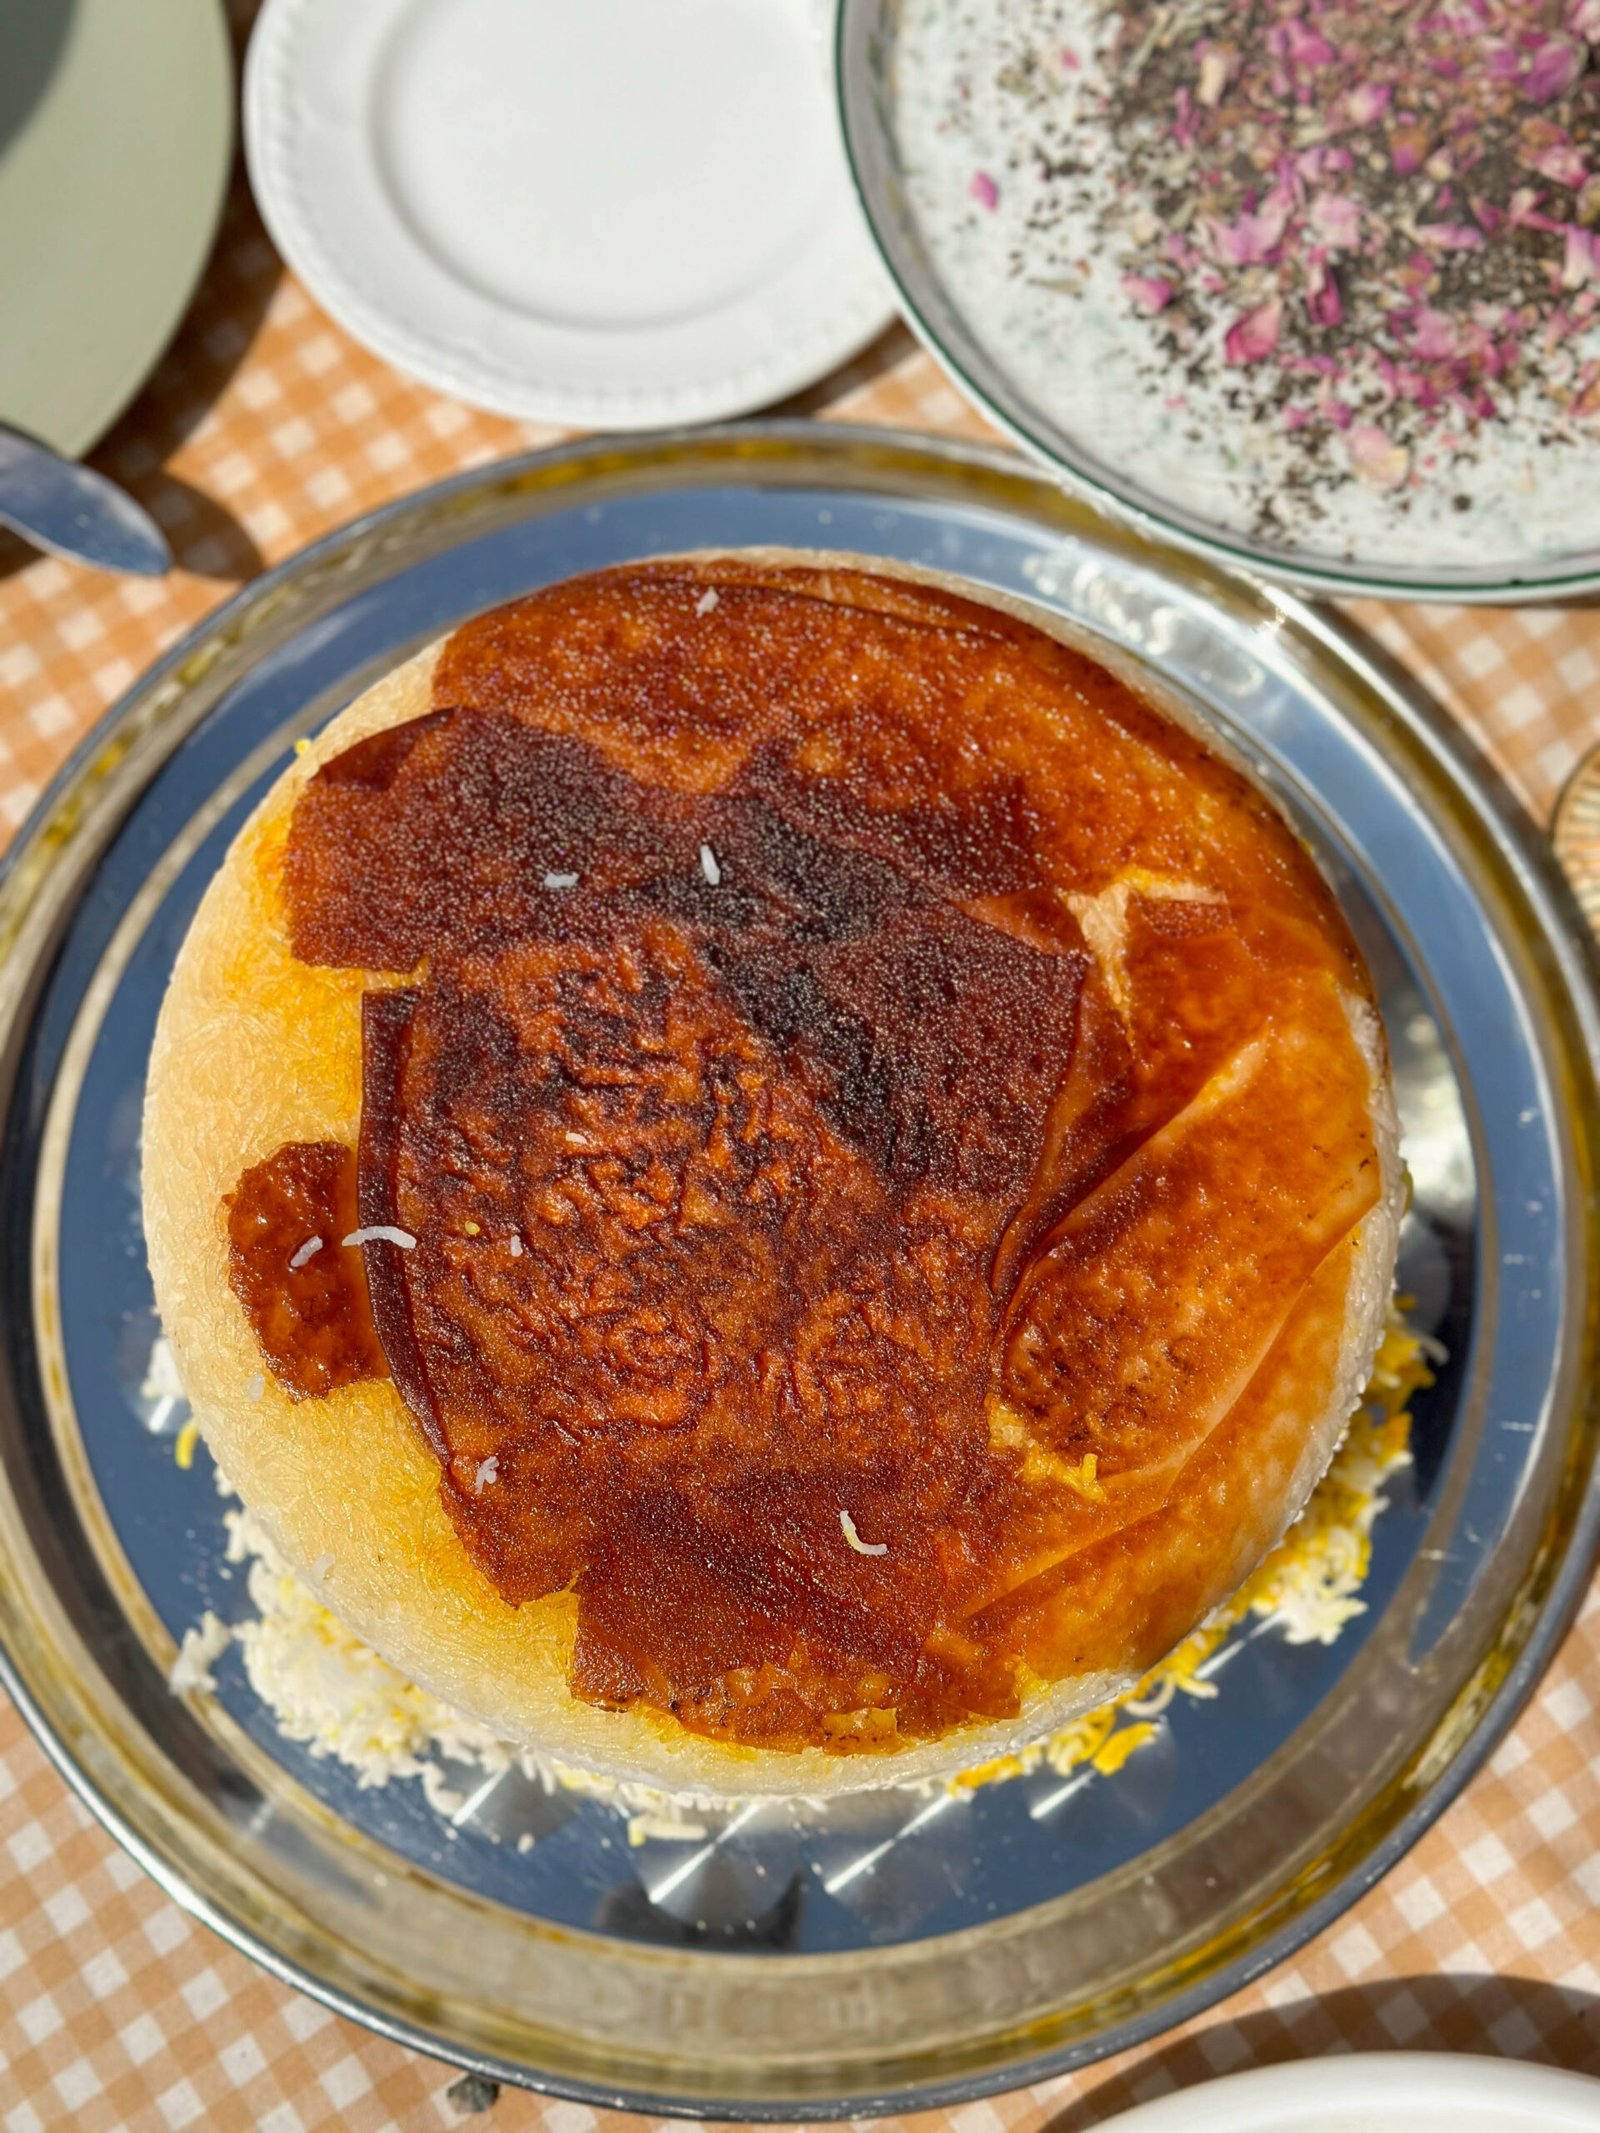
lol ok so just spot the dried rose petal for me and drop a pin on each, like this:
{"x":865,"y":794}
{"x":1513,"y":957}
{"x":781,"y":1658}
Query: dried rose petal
{"x":1522,"y":204}
{"x":1552,"y":68}
{"x":1435,"y":335}
{"x":1253,"y":337}
{"x":1450,"y":236}
{"x":1300,"y":44}
{"x":1149,"y":292}
{"x":1581,"y":258}
{"x":984,"y":190}
{"x":1322,"y":295}
{"x":1374,"y":459}
{"x":1585,"y":402}
{"x":1408,"y":148}
{"x":1255,"y":235}
{"x":1550,"y":151}
{"x":1337,"y":221}
{"x":1367,"y":102}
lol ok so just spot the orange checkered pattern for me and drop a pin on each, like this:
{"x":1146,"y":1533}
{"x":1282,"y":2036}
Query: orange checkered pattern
{"x":264,"y":426}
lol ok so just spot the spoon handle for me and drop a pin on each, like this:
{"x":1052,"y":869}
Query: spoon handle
{"x":70,"y":509}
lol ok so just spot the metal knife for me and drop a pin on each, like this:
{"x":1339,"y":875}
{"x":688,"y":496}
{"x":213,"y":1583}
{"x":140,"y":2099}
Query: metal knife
{"x":75,"y":512}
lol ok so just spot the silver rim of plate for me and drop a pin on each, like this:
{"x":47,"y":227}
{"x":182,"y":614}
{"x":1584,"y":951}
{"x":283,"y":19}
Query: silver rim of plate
{"x":915,"y":1956}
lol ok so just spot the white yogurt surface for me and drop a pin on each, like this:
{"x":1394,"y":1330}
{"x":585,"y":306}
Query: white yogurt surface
{"x":987,"y":94}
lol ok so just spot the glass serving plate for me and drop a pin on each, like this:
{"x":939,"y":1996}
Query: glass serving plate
{"x":885,"y":1952}
{"x":1094,"y":458}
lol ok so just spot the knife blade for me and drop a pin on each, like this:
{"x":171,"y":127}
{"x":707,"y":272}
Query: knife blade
{"x":70,"y":509}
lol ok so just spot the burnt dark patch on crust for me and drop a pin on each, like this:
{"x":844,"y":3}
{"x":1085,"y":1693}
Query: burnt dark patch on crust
{"x":386,"y":1019}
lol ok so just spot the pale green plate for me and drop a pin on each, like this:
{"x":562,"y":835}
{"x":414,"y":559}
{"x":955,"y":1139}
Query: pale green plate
{"x":116,"y":135}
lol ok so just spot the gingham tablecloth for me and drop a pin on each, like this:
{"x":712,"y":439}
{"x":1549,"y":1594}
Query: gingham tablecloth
{"x":264,"y":426}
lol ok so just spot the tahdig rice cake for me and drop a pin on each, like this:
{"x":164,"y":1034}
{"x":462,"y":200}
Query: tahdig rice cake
{"x":777,"y":1175}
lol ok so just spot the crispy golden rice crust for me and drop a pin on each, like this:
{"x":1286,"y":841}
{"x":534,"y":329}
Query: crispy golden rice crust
{"x":256,"y":1049}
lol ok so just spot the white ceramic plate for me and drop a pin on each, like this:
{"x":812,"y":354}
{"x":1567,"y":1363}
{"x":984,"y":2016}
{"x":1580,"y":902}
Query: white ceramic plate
{"x":1380,"y":2092}
{"x":604,"y":213}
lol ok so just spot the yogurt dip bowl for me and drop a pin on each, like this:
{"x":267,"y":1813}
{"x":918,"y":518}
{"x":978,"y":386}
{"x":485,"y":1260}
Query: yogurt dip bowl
{"x":1324,"y":306}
